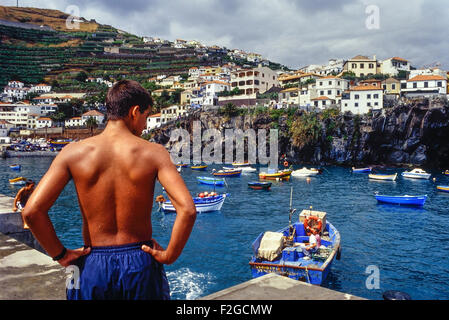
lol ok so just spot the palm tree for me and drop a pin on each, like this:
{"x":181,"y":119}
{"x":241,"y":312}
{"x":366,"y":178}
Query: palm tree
{"x":91,"y":123}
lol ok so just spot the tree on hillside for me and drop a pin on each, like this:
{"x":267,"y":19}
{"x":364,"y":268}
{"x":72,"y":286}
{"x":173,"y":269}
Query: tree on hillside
{"x":81,"y":76}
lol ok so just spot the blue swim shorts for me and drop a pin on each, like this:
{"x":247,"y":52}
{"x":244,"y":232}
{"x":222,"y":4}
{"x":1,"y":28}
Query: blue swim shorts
{"x":118,"y":273}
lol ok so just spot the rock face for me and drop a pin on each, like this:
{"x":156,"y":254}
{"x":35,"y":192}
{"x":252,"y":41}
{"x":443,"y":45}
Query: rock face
{"x":416,"y":132}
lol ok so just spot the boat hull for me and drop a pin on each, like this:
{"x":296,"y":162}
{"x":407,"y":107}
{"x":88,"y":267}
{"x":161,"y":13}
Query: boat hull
{"x":361,"y":170}
{"x":210,"y":181}
{"x":402,"y":200}
{"x":275,"y":176}
{"x":199,"y":168}
{"x":201,"y":204}
{"x":18,"y":181}
{"x":15,"y":167}
{"x":443,"y":188}
{"x":227,"y":174}
{"x":387,"y":177}
{"x":259,"y":185}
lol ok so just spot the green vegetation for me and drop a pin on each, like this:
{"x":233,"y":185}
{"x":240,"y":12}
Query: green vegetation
{"x":305,"y":130}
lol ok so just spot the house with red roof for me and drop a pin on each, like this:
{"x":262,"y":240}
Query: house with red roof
{"x":362,"y":99}
{"x":425,"y":86}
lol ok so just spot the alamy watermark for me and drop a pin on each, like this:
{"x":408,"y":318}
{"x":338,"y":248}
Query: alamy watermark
{"x":372,"y":22}
{"x":208,"y":146}
{"x":373,"y":280}
{"x":73,"y":21}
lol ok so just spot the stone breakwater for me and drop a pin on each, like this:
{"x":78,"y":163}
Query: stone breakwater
{"x":413,"y":132}
{"x":25,"y":154}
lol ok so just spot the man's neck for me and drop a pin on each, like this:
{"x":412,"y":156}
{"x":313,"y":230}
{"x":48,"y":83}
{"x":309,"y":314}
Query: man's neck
{"x":117,"y":127}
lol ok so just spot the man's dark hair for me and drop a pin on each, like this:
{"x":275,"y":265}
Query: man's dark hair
{"x":29,"y":182}
{"x":126,"y":94}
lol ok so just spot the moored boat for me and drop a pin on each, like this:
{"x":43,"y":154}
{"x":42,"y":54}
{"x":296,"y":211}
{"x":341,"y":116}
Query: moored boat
{"x":211,"y":181}
{"x":203,"y":202}
{"x":227,"y":173}
{"x":59,"y":143}
{"x":15,"y":167}
{"x":272,"y":174}
{"x":305,"y":172}
{"x":446,"y":172}
{"x":199,"y":167}
{"x":443,"y":188}
{"x":360,"y":170}
{"x":402,"y":200}
{"x":416,"y":174}
{"x":390,"y":177}
{"x":244,"y":169}
{"x":18,"y":181}
{"x":281,"y":253}
{"x":240,"y":164}
{"x":181,"y":165}
{"x":257,"y":185}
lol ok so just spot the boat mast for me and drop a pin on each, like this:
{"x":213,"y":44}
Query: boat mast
{"x":291,"y":211}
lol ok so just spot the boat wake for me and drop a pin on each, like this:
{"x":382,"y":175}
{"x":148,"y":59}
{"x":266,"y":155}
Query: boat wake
{"x":188,"y":285}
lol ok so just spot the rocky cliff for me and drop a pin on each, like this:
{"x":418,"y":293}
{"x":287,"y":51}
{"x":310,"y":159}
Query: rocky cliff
{"x":410,"y":132}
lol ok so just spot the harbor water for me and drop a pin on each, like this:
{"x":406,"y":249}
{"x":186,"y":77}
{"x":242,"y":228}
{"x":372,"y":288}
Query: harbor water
{"x":384,"y":247}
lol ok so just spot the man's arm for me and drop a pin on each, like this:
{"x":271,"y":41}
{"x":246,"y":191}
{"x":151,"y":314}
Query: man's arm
{"x":181,"y":199}
{"x":43,"y":197}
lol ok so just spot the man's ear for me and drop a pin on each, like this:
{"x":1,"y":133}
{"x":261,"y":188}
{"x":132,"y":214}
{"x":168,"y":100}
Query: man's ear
{"x":132,"y":113}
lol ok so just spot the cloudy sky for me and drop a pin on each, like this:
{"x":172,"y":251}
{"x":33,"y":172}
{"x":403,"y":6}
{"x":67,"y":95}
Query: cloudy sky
{"x":292,"y":32}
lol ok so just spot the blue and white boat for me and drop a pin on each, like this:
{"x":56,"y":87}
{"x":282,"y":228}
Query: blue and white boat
{"x":202,"y":204}
{"x":15,"y":167}
{"x":443,"y":188}
{"x":416,"y":174}
{"x":288,"y":258}
{"x":402,"y":200}
{"x":361,"y":170}
{"x":211,"y":181}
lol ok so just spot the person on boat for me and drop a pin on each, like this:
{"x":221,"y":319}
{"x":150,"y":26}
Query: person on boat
{"x":314,"y":243}
{"x":22,"y":198}
{"x":114,"y":174}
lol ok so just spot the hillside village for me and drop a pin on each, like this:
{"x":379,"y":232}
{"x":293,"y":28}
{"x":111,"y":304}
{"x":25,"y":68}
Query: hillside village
{"x":69,"y":85}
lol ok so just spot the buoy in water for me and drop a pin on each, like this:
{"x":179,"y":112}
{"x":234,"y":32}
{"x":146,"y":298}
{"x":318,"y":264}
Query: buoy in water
{"x":308,"y":180}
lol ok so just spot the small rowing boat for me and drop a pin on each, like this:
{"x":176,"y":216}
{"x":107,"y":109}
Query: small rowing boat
{"x":18,"y":181}
{"x":257,"y":185}
{"x":181,"y":165}
{"x":275,"y":175}
{"x":390,"y":177}
{"x":304,"y":172}
{"x":446,"y":172}
{"x":361,"y":170}
{"x":402,"y":200}
{"x":15,"y":167}
{"x":443,"y":188}
{"x":211,"y":181}
{"x":205,"y":202}
{"x":227,"y":173}
{"x":416,"y":174}
{"x":240,"y":164}
{"x":199,"y":167}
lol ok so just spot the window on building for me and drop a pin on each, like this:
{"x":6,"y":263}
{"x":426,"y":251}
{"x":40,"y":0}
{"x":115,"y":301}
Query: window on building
{"x":321,"y":83}
{"x":369,"y":104}
{"x":356,"y":104}
{"x":376,"y":103}
{"x":426,"y":84}
{"x":415,"y":85}
{"x":439,"y":84}
{"x":362,"y":66}
{"x":356,"y":96}
{"x":354,"y":65}
{"x":376,"y":96}
{"x":371,"y":65}
{"x":256,"y":82}
{"x":393,"y":86}
{"x":368,"y":96}
{"x":329,"y":91}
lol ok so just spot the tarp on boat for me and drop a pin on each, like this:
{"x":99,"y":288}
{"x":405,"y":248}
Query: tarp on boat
{"x":271,"y":245}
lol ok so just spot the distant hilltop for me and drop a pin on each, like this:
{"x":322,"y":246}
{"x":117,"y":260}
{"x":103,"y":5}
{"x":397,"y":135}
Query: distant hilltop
{"x":53,"y":19}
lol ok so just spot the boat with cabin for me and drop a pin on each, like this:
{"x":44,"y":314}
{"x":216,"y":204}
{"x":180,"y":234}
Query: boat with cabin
{"x":416,"y":173}
{"x":305,"y":172}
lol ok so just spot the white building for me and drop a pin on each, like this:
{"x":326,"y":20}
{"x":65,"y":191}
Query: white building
{"x":334,"y":66}
{"x":306,"y":94}
{"x":212,"y":88}
{"x":289,"y":96}
{"x":41,"y":88}
{"x":43,"y":122}
{"x":154,"y":121}
{"x":427,"y":72}
{"x":331,"y":87}
{"x":73,"y":122}
{"x":172,"y":113}
{"x":257,"y":80}
{"x":425,"y":85}
{"x":362,"y":99}
{"x":98,"y":116}
{"x":17,"y":92}
{"x":393,"y":65}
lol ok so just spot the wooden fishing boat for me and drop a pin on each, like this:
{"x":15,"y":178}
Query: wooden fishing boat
{"x":361,"y":170}
{"x":240,"y":164}
{"x":15,"y":167}
{"x":199,"y":167}
{"x":202,"y":203}
{"x":181,"y":165}
{"x":227,"y":173}
{"x":390,"y":177}
{"x":416,"y":174}
{"x":257,"y":185}
{"x":280,"y":252}
{"x":18,"y":181}
{"x":402,"y":200}
{"x":211,"y":181}
{"x":443,"y":188}
{"x":59,"y":144}
{"x":304,"y":172}
{"x":275,"y":175}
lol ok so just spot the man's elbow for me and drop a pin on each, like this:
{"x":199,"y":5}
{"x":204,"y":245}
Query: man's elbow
{"x":190,"y":212}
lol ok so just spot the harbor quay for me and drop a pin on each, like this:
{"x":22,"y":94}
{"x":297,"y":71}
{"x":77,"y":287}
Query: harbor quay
{"x":27,"y":273}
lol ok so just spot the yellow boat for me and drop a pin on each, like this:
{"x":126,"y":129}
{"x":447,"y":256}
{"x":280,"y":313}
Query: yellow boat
{"x":282,"y":175}
{"x":443,"y":188}
{"x":199,"y":167}
{"x":446,"y":172}
{"x":18,"y":181}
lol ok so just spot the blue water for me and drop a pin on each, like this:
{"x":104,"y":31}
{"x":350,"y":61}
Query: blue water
{"x":409,"y":246}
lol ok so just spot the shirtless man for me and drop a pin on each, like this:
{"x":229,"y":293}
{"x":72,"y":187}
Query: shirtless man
{"x":114,"y":175}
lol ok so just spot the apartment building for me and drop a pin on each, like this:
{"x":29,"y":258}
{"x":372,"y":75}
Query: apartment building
{"x":362,"y":99}
{"x":362,"y":66}
{"x":393,"y":65}
{"x":257,"y":80}
{"x":425,"y":85}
